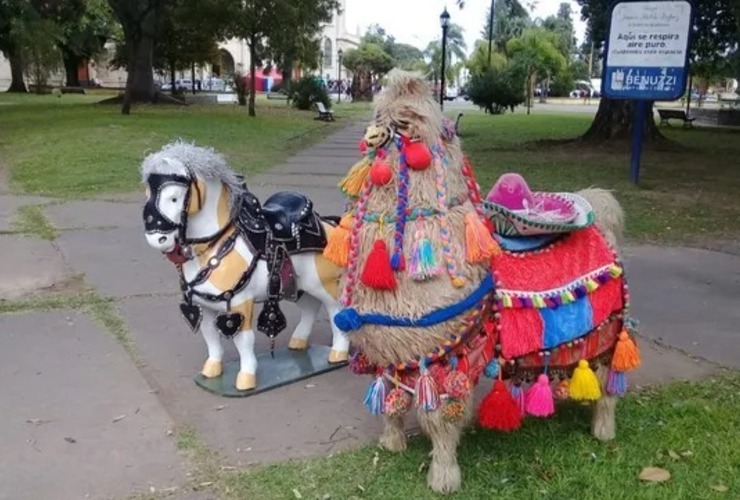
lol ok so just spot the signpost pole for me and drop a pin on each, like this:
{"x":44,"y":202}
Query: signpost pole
{"x":638,"y":136}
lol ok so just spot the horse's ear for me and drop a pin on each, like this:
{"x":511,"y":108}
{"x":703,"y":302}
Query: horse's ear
{"x":197,"y":196}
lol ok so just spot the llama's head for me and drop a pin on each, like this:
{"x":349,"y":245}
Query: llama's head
{"x":406,"y":106}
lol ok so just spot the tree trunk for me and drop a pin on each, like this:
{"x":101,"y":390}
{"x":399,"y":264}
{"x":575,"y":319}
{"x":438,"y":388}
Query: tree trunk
{"x":173,"y":90}
{"x":142,"y":85}
{"x":71,"y":68}
{"x":252,"y":77}
{"x":192,"y":77}
{"x":17,"y":84}
{"x":613,"y":123}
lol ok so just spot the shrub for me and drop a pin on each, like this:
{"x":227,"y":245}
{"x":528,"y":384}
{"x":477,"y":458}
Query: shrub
{"x":497,"y":90}
{"x":308,"y":91}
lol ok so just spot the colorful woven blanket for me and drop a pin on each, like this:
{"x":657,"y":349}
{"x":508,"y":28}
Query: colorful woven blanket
{"x":557,"y":294}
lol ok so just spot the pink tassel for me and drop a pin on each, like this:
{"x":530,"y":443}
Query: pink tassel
{"x":539,"y":398}
{"x":427,"y":396}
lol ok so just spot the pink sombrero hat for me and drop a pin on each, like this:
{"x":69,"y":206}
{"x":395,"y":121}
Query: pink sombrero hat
{"x":516,"y":210}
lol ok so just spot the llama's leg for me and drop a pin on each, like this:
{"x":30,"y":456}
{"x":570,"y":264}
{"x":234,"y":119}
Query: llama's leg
{"x":394,"y":436}
{"x":603,"y":420}
{"x":340,"y":341}
{"x":309,"y":307}
{"x":213,"y":366}
{"x":444,"y":471}
{"x":246,"y":379}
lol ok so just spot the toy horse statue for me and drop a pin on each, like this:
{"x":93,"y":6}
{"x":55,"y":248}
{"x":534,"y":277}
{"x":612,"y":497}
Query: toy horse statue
{"x":439,"y":288}
{"x":232,"y":252}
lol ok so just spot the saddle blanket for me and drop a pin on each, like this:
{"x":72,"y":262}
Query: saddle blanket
{"x":556,"y":294}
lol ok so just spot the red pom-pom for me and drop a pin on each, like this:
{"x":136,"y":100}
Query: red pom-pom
{"x":498,"y":410}
{"x":380,"y":173}
{"x":377,"y":272}
{"x":418,"y":156}
{"x":363,"y":146}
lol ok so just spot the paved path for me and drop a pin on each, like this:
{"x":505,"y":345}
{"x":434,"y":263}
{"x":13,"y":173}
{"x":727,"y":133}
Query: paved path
{"x":101,"y":424}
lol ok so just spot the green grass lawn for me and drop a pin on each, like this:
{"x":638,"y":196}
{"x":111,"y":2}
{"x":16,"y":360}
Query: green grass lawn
{"x":690,"y":192}
{"x":688,"y":429}
{"x":69,"y":146}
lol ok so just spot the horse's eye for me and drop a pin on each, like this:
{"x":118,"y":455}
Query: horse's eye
{"x":174,"y":200}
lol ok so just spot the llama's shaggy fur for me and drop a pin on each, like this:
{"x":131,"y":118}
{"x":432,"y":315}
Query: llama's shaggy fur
{"x":406,"y":100}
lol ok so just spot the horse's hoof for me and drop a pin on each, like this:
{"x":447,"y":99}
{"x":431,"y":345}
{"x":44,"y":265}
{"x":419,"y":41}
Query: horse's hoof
{"x":298,"y":344}
{"x":246,"y":381}
{"x":213,"y":368}
{"x":338,"y":356}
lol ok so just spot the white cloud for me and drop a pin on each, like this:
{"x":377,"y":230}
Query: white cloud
{"x":416,"y":22}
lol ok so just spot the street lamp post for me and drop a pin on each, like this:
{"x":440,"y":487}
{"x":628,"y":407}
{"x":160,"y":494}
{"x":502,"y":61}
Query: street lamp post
{"x":321,"y":65}
{"x":340,"y":53}
{"x":444,"y":20}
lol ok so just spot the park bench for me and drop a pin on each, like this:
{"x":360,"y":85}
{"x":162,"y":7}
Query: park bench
{"x":675,"y":114}
{"x":280,"y":95}
{"x":324,"y":114}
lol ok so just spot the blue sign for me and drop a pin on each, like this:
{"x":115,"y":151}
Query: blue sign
{"x":647,"y":50}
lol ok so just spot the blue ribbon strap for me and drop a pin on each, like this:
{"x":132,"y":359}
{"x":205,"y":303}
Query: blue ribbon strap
{"x":349,"y":319}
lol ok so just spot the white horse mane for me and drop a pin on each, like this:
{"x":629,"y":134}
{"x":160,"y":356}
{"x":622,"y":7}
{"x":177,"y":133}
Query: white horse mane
{"x":204,"y":162}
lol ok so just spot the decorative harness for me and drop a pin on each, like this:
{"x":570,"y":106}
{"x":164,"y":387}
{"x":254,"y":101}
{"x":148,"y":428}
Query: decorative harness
{"x":264,"y":231}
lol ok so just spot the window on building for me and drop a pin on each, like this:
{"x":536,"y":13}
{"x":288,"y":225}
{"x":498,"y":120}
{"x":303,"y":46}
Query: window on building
{"x":328,"y":52}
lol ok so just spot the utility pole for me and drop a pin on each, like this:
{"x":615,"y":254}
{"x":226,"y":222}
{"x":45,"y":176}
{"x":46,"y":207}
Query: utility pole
{"x":490,"y":31}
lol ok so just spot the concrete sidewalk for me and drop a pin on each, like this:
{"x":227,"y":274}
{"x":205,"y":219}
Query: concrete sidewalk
{"x":100,"y":423}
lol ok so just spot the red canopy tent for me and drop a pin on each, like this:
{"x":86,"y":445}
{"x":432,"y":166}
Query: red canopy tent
{"x":264,"y":80}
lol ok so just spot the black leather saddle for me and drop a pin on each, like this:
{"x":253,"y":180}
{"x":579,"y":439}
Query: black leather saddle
{"x":284,"y":210}
{"x":284,"y":225}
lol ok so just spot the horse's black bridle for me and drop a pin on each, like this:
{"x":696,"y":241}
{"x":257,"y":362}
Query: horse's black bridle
{"x":156,"y":222}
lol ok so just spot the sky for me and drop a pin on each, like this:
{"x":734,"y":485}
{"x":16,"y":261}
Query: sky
{"x":416,"y":22}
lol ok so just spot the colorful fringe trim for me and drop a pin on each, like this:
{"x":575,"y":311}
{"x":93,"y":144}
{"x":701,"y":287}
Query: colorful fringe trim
{"x":554,"y":298}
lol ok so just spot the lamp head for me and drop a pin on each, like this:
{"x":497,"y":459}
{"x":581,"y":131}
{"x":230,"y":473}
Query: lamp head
{"x":444,"y":18}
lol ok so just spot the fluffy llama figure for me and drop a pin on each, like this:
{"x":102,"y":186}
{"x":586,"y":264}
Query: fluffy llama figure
{"x":420,"y":290}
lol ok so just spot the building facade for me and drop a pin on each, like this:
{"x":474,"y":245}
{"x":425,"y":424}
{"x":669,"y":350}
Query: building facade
{"x":232,"y":53}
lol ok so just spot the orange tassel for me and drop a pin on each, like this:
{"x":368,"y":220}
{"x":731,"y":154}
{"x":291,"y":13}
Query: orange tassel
{"x":352,"y":183}
{"x":626,"y":354}
{"x":337,"y":244}
{"x":377,"y":272}
{"x":479,"y":242}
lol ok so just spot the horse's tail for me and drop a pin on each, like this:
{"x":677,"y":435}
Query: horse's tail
{"x":609,"y":214}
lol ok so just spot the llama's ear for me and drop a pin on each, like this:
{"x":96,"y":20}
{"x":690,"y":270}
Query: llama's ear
{"x":197,"y":196}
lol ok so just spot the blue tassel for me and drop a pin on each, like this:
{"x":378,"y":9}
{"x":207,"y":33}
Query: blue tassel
{"x":616,"y":384}
{"x":423,"y":263}
{"x":375,"y":396}
{"x":518,"y":394}
{"x":491,"y":369}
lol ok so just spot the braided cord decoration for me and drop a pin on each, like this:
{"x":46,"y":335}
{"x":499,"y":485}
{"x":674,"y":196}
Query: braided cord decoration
{"x":397,"y":259}
{"x":473,"y":187}
{"x":354,"y":247}
{"x":444,"y":230}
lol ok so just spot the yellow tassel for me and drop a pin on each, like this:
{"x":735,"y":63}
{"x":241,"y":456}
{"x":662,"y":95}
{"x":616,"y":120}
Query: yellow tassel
{"x":352,"y":183}
{"x":584,"y":386}
{"x":479,"y":242}
{"x":337,"y":244}
{"x":626,"y":355}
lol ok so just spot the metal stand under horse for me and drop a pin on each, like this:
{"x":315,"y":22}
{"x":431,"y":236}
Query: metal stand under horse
{"x":284,"y":226}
